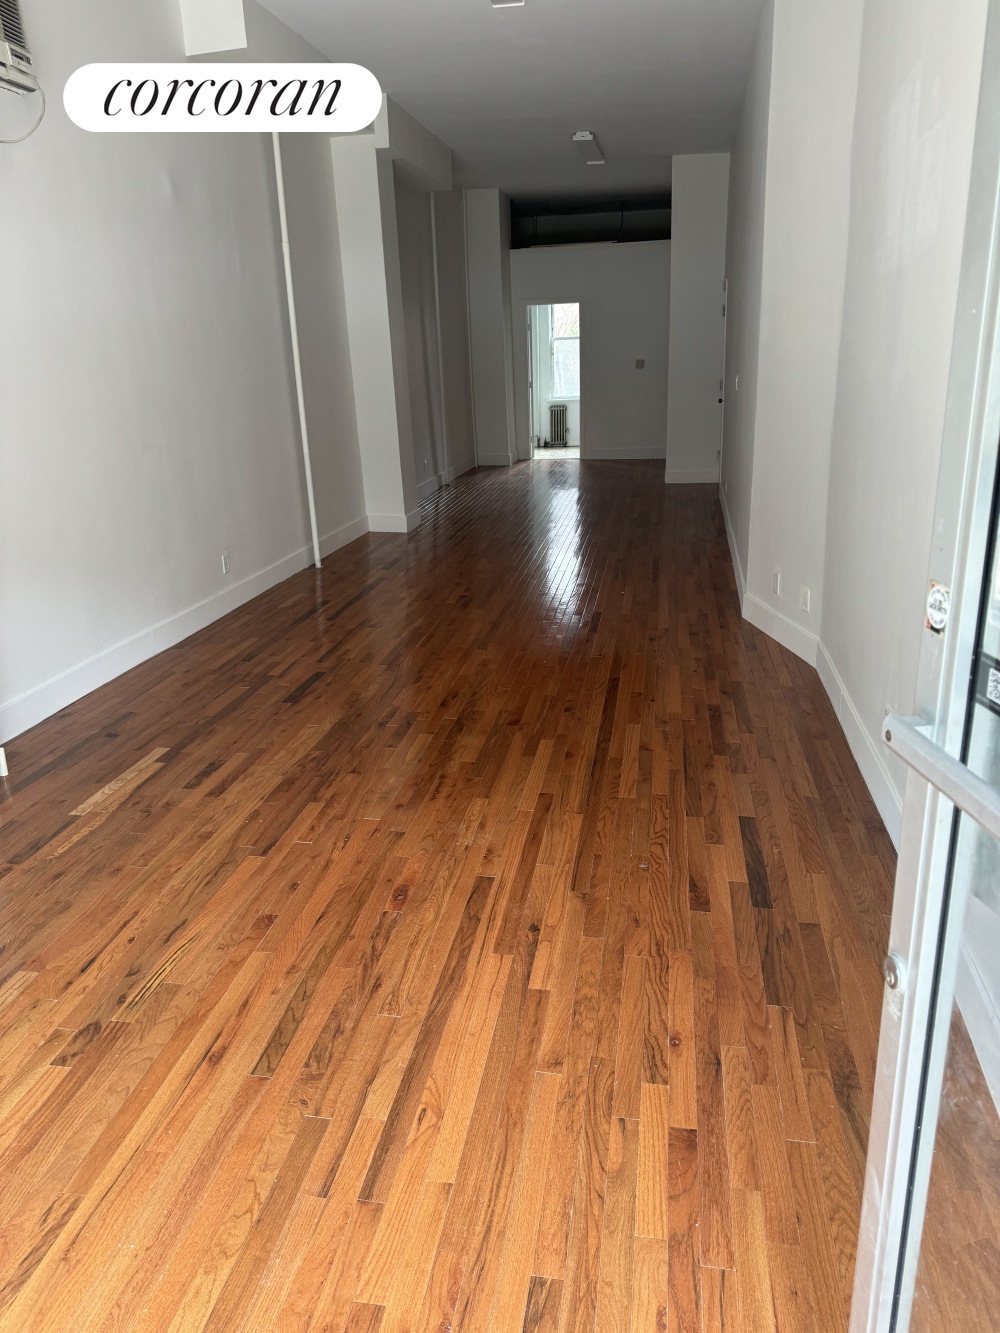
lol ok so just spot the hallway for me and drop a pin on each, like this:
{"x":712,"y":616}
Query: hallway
{"x":482,"y":932}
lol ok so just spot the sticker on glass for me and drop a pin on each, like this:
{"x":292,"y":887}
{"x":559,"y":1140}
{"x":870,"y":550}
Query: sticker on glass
{"x":938,"y":605}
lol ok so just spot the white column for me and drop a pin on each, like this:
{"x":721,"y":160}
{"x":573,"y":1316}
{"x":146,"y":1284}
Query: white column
{"x":366,"y":213}
{"x":490,"y":325}
{"x":699,"y":193}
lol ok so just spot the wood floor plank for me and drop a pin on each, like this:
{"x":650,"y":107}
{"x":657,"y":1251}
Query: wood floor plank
{"x":682,"y":1077}
{"x":481,"y":932}
{"x":631,"y":1039}
{"x":579,"y":1305}
{"x":410,"y":1282}
{"x":514,"y":1278}
{"x":788,"y":1069}
{"x":793,"y":1294}
{"x":756,"y":1302}
{"x":715,"y":1218}
{"x":684,"y":1285}
{"x":819,"y":1256}
{"x":541,"y":1311}
{"x":654,"y":1133}
{"x":614,"y":1300}
{"x":551,"y":1251}
{"x":780,"y":1224}
{"x":649,"y":1285}
{"x":744,"y":1172}
{"x":720,"y":1301}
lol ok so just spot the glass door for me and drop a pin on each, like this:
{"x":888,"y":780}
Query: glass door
{"x":954,"y":1266}
{"x":929,"y":1243}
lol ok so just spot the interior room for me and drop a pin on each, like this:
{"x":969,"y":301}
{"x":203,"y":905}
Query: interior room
{"x":500,"y":666}
{"x":554,"y":360}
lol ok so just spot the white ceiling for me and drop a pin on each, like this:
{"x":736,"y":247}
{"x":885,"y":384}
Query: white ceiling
{"x":506,"y":88}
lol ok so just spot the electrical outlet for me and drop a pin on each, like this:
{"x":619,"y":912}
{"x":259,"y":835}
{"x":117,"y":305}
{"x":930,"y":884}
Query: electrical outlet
{"x":225,"y":562}
{"x":776,"y":583}
{"x":425,"y":464}
{"x":804,"y":600}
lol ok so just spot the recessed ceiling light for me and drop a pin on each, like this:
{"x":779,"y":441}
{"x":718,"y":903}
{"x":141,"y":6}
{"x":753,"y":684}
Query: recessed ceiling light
{"x":589,"y":147}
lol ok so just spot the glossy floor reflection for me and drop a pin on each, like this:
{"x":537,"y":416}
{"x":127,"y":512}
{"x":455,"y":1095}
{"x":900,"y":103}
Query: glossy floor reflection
{"x":957,"y":1288}
{"x":483,"y":933}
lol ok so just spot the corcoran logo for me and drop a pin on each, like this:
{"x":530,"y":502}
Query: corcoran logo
{"x":222,"y":99}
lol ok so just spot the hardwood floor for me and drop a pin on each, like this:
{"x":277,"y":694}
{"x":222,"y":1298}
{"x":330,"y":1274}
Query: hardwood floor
{"x":482,"y":933}
{"x":957,"y":1285}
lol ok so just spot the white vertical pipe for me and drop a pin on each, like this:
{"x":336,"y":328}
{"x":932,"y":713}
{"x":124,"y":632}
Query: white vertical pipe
{"x":468,"y":320}
{"x":296,"y":360}
{"x":437,"y":313}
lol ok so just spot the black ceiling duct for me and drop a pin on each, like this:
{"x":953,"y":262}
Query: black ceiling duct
{"x":639,"y":220}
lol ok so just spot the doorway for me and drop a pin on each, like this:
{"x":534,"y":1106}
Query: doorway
{"x":554,"y":382}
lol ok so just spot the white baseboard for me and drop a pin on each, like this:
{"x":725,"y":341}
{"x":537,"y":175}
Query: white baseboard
{"x":733,"y":548}
{"x":495,"y":460}
{"x":679,"y":476}
{"x":461,"y":467}
{"x":623,"y":455}
{"x":791,"y":636}
{"x":394,"y":522}
{"x":428,"y":487}
{"x":347,"y":532}
{"x":864,"y":747}
{"x":44,"y":700}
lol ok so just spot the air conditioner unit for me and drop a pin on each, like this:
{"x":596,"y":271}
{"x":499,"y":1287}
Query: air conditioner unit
{"x":17,"y":72}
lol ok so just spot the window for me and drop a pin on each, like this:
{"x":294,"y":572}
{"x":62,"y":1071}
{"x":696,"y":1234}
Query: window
{"x":566,"y":351}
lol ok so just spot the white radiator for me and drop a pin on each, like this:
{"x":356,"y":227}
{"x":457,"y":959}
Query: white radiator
{"x":557,"y":423}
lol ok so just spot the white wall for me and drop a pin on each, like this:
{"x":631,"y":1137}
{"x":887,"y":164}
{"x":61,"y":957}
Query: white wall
{"x":324,"y":348}
{"x":317,"y":274}
{"x":843,"y":280}
{"x":624,"y":296}
{"x":744,"y":271}
{"x":437,"y":332}
{"x":416,"y":262}
{"x":487,"y":222}
{"x":423,"y":160}
{"x":366,"y":213}
{"x":508,"y":325}
{"x":913,"y":135}
{"x":149,"y":418}
{"x":699,"y":189}
{"x":574,"y":437}
{"x":449,"y":215}
{"x":806,"y":220}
